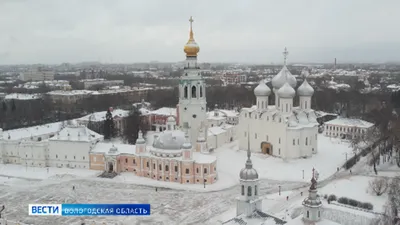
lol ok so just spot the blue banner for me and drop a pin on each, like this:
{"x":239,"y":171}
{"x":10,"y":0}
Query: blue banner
{"x":105,"y":209}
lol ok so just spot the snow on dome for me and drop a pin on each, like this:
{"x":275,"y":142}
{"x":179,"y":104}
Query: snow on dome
{"x":286,"y":91}
{"x":262,"y":89}
{"x":282,"y":77}
{"x":248,"y":174}
{"x":305,"y":89}
{"x":170,"y":140}
{"x":171,"y":119}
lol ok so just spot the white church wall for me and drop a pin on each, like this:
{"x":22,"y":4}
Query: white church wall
{"x":71,"y":154}
{"x":33,"y":154}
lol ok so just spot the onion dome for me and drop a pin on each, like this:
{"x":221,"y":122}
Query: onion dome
{"x":286,"y":91}
{"x":171,"y":119}
{"x":262,"y":89}
{"x":305,"y":89}
{"x":282,"y":77}
{"x":191,"y":48}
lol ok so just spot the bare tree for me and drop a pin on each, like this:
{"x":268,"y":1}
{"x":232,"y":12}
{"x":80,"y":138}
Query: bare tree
{"x":379,"y":186}
{"x":391,"y":215}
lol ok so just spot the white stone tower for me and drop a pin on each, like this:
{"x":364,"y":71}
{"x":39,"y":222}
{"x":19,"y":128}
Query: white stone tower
{"x":312,"y":204}
{"x":249,"y":201}
{"x":284,"y":76}
{"x":262,"y":92}
{"x":192,"y":92}
{"x":140,"y":144}
{"x":171,"y":123}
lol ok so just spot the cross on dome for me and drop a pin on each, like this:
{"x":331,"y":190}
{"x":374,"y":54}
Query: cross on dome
{"x":191,"y":48}
{"x":285,"y":54}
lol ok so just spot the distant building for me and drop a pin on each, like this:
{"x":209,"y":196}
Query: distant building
{"x":88,"y":83}
{"x":234,"y":78}
{"x":95,"y":121}
{"x":37,"y":75}
{"x":346,"y":128}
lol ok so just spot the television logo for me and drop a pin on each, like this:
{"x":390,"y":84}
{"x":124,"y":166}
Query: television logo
{"x":45,"y":209}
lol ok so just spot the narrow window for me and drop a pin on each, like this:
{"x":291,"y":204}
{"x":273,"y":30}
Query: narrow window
{"x":134,"y":162}
{"x":294,"y":142}
{"x":287,"y":110}
{"x":306,"y":141}
{"x":176,"y":168}
{"x":147,"y":164}
{"x":201,"y":91}
{"x":305,"y":105}
{"x":187,"y":171}
{"x":248,"y":191}
{"x":242,"y":189}
{"x":279,"y":151}
{"x":205,"y":170}
{"x":262,"y":105}
{"x":193,"y":92}
{"x":166,"y":168}
{"x":126,"y":160}
{"x":154,"y":166}
{"x":185,"y":92}
{"x":279,"y":140}
{"x":197,"y":170}
{"x":159,"y":167}
{"x":319,"y":213}
{"x":255,"y":136}
{"x":308,"y":214}
{"x":255,"y":190}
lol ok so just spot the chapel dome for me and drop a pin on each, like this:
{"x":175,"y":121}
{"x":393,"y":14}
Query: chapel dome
{"x":171,"y":119}
{"x":282,"y":77}
{"x":305,"y":89}
{"x":170,"y":140}
{"x":191,"y":48}
{"x":286,"y":91}
{"x":262,"y":89}
{"x":248,"y":174}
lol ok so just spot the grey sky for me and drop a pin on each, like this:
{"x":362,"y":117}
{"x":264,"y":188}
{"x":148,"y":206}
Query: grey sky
{"x":124,"y":31}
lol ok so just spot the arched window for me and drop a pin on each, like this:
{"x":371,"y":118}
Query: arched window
{"x":197,"y":170}
{"x":262,"y":105}
{"x":306,"y":141}
{"x":248,"y":191}
{"x":166,"y":168}
{"x":205,"y":170}
{"x":194,"y":92}
{"x":242,"y":189}
{"x":201,"y":91}
{"x":126,"y":160}
{"x":308,"y":214}
{"x":287,"y":107}
{"x":147,"y":164}
{"x":305,"y":104}
{"x":255,"y":190}
{"x":187,"y":171}
{"x":185,"y":92}
{"x":159,"y":167}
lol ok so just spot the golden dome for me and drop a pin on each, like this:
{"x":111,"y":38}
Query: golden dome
{"x":191,"y":48}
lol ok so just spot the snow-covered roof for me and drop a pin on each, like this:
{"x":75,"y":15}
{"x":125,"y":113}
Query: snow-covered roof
{"x":104,"y":147}
{"x":34,"y":131}
{"x":215,"y":131}
{"x":169,"y":140}
{"x":19,"y":96}
{"x":350,"y":122}
{"x":101,"y":116}
{"x":164,"y":111}
{"x":229,"y":113}
{"x":77,"y":133}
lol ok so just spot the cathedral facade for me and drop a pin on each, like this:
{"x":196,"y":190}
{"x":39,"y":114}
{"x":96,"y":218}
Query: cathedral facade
{"x":280,"y":129}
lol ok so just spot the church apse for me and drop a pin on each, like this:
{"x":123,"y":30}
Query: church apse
{"x":266,"y":148}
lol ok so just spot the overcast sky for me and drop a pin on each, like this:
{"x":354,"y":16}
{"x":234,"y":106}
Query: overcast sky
{"x":249,"y":31}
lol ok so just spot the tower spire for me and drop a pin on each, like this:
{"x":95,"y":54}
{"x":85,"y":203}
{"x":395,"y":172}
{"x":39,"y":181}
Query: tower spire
{"x":249,"y":164}
{"x":285,"y":54}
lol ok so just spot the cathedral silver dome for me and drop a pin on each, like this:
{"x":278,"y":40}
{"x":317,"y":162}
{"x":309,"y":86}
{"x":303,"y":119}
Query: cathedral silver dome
{"x":305,"y":89}
{"x":169,"y":140}
{"x":286,"y":91}
{"x":282,"y":77}
{"x":262,"y":89}
{"x":248,"y":174}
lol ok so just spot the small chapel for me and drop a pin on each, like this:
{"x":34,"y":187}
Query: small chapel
{"x":280,"y":129}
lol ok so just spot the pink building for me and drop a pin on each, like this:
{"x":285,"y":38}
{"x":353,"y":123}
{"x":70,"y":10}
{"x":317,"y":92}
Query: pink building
{"x":170,"y":158}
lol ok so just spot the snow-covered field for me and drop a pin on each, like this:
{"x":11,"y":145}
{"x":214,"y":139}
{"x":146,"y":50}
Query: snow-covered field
{"x":355,"y":187}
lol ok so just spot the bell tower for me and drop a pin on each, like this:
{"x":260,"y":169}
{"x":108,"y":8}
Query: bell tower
{"x":192,"y":92}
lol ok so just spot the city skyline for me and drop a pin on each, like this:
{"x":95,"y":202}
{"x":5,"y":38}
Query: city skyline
{"x":53,"y":32}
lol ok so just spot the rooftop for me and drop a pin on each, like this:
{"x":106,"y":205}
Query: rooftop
{"x":164,"y":111}
{"x":350,"y":122}
{"x":101,"y":116}
{"x":77,"y":133}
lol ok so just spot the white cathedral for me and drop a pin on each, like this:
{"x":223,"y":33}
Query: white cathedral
{"x":282,"y":129}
